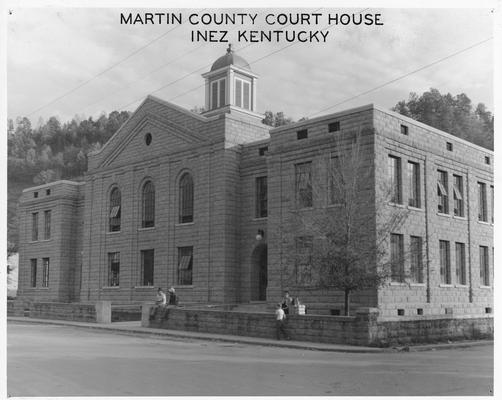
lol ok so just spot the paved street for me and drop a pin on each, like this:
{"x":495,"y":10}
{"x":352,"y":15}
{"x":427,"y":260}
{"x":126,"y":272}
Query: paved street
{"x":44,"y":360}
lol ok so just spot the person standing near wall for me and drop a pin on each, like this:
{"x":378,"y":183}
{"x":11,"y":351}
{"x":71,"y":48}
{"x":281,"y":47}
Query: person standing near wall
{"x":280,"y":317}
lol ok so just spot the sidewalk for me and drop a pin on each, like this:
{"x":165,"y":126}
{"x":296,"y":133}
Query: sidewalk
{"x":134,"y":328}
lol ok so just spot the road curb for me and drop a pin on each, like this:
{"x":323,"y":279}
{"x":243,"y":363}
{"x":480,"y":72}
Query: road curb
{"x":162,"y":333}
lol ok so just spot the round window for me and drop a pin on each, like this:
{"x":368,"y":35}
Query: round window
{"x":148,"y":139}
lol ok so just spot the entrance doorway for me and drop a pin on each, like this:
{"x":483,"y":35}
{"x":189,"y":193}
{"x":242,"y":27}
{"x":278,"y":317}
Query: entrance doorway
{"x":259,"y":273}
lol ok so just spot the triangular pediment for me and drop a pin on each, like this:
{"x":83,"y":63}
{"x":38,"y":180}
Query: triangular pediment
{"x":171,"y":128}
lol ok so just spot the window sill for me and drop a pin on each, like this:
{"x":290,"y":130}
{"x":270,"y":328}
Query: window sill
{"x":183,"y":287}
{"x":258,"y":219}
{"x":304,"y":209}
{"x":484,"y":222}
{"x":151,"y":228}
{"x":184,"y":224}
{"x":445,"y":285}
{"x":485,"y":287}
{"x":416,"y":284}
{"x":440,"y":214}
{"x":144,"y":287}
{"x":458,"y":285}
{"x":113,"y":232}
{"x":416,"y":209}
{"x":396,"y":204}
{"x":111,"y":287}
{"x":460,"y":217}
{"x":398,"y":284}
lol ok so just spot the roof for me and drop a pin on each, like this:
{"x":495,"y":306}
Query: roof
{"x":230,"y":59}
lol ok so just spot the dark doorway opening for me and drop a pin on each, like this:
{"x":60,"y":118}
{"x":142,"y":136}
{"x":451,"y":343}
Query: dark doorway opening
{"x":259,"y":273}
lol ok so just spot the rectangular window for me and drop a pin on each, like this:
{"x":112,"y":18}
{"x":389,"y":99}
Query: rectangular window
{"x":45,"y":272}
{"x":262,"y":151}
{"x":221,"y":100}
{"x":217,"y":93}
{"x":214,"y":95}
{"x":238,"y":92}
{"x":34,"y":227}
{"x":416,"y":265}
{"x":303,"y":134}
{"x":484,"y":269}
{"x":482,"y":214}
{"x":334,"y":126}
{"x":404,"y":130}
{"x":444,"y":262}
{"x":261,"y":197}
{"x":47,"y":224}
{"x":33,"y":263}
{"x":336,"y":184}
{"x":414,"y":176}
{"x":113,"y":269}
{"x":442,"y":192}
{"x":449,"y":146}
{"x":395,"y":179}
{"x":246,"y":101}
{"x":303,"y":260}
{"x":397,"y":257}
{"x":487,"y":160}
{"x":147,"y":264}
{"x":458,"y":196}
{"x":492,"y":193}
{"x":303,"y":182}
{"x":185,"y":265}
{"x":460,"y":263}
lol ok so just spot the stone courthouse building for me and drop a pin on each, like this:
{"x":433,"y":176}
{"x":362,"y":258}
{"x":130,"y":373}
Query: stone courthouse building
{"x":201,"y":202}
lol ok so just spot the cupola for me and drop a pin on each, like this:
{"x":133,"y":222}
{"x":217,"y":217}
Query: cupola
{"x":230,"y":85}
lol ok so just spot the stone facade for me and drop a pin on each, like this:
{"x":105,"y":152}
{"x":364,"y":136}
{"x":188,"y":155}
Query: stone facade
{"x":239,"y":253}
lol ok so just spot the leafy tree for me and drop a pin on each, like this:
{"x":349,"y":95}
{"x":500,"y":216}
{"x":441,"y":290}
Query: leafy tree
{"x":452,"y":114}
{"x":351,"y":244}
{"x":277,"y":119}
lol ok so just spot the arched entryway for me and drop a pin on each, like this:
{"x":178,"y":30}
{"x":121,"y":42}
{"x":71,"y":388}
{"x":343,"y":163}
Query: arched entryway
{"x":259,"y":273}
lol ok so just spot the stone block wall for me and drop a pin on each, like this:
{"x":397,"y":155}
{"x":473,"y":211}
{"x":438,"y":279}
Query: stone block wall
{"x":96,"y":312}
{"x":363,"y":329}
{"x":434,"y":150}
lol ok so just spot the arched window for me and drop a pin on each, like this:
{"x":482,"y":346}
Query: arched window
{"x":115,"y":206}
{"x":186,"y":198}
{"x":148,"y":205}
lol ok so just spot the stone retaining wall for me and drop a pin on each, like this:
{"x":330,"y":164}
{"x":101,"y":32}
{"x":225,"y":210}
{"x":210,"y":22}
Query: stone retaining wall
{"x":99,"y":311}
{"x":364,"y":329}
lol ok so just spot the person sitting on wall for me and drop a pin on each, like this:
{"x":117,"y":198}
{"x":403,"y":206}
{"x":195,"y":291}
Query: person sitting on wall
{"x":286,"y":302}
{"x":173,"y":299}
{"x":161,"y":298}
{"x":160,"y":302}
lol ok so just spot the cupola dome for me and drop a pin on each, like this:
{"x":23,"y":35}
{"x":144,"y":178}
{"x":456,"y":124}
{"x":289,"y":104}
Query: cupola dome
{"x":230,"y":59}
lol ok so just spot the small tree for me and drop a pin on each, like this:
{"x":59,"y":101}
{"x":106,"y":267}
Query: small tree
{"x":352,"y":232}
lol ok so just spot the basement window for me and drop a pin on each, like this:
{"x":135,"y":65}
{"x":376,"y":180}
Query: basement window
{"x":263,"y":151}
{"x":400,"y":311}
{"x":303,"y":134}
{"x":420,"y":311}
{"x":448,"y":310}
{"x":488,"y":310}
{"x":335,"y":311}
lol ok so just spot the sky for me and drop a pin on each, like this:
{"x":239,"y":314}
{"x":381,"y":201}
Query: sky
{"x":81,"y":61}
